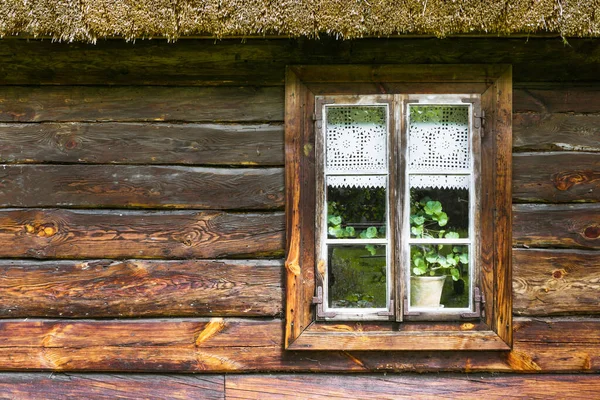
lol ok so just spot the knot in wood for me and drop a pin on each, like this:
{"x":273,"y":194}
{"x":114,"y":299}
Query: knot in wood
{"x":558,"y":273}
{"x":592,"y":232}
{"x":566,"y":180}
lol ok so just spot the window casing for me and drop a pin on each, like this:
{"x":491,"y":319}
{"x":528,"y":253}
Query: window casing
{"x":314,"y":317}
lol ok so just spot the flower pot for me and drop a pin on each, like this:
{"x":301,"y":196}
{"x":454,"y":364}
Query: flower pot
{"x":426,"y":291}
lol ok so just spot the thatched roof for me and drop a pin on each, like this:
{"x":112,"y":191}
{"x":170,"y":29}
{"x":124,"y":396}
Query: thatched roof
{"x":88,"y":20}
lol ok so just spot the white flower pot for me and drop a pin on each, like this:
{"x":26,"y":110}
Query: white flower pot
{"x":426,"y":291}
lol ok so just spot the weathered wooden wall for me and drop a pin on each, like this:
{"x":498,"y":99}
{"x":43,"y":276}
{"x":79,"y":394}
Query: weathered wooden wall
{"x":146,"y":180}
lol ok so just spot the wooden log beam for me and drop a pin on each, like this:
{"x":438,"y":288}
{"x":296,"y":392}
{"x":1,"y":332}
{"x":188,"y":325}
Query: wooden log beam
{"x":80,"y":234}
{"x":42,"y":233}
{"x":142,"y":143}
{"x":130,"y":104}
{"x":140,"y":288}
{"x":233,"y":144}
{"x":566,"y":98}
{"x":36,"y":386}
{"x":551,"y":225}
{"x":538,"y":177}
{"x":556,"y":132}
{"x":230,"y":345}
{"x":41,"y":386}
{"x":206,"y":104}
{"x":556,"y":177}
{"x":248,"y":62}
{"x":545,"y":282}
{"x":410,"y":386}
{"x":128,"y":186}
{"x":552,"y":282}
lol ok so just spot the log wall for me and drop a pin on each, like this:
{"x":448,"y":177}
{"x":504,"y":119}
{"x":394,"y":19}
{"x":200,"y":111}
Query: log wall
{"x":146,"y":181}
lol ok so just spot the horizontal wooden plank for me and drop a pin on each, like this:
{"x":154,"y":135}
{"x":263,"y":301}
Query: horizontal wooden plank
{"x":62,"y":386}
{"x":252,"y":61}
{"x":142,"y":143}
{"x":205,"y":104}
{"x":127,"y":186}
{"x":558,"y":99}
{"x":410,"y":386}
{"x":556,"y":177}
{"x":556,"y":132}
{"x":399,"y":73}
{"x":553,"y":282}
{"x":545,"y":282}
{"x":33,"y":386}
{"x":150,"y":103}
{"x":79,"y":234}
{"x":140,"y":288}
{"x":551,"y":225}
{"x":229,"y":345}
{"x":391,"y":339}
{"x":233,"y":144}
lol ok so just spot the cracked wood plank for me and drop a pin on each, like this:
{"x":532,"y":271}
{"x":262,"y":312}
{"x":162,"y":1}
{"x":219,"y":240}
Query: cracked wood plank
{"x":230,"y":345}
{"x":81,"y":234}
{"x":140,"y":288}
{"x":141,"y":186}
{"x":409,"y":386}
{"x":557,"y":225}
{"x":142,"y":143}
{"x":556,"y":282}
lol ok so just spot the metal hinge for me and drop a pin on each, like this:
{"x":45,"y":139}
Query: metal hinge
{"x":318,"y":301}
{"x":479,"y":302}
{"x":481,"y":120}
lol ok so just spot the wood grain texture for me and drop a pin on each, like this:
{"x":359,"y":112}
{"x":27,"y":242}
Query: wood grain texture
{"x":414,"y":73}
{"x":82,"y":234}
{"x":556,"y":132}
{"x":142,"y":143}
{"x":32,"y":386}
{"x":150,"y":103}
{"x":246,"y":62}
{"x":500,"y":119}
{"x":438,"y":337}
{"x":550,"y":225}
{"x":410,"y":386}
{"x":140,"y":288}
{"x":554,"y":282}
{"x":546,"y":282}
{"x":565,"y":98}
{"x":127,"y":186}
{"x":233,"y":144}
{"x":202,"y":104}
{"x":300,"y":201}
{"x":556,"y":177}
{"x":229,"y":345}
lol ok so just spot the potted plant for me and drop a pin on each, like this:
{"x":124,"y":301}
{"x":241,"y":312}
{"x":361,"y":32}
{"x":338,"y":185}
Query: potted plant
{"x":432,"y":263}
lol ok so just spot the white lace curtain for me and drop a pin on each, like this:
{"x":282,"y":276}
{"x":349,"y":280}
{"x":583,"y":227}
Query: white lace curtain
{"x":438,"y":141}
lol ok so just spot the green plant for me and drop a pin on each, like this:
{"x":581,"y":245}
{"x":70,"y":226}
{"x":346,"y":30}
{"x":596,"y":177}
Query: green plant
{"x":337,"y":229}
{"x":428,"y":221}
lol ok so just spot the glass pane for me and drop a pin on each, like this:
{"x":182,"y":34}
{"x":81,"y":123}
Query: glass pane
{"x":357,"y":276}
{"x":438,"y":138}
{"x":356,"y":140}
{"x":356,"y":212}
{"x":439,"y":275}
{"x":438,"y":213}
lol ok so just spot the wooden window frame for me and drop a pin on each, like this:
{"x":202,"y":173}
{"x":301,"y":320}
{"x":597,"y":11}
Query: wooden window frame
{"x":491,"y":332}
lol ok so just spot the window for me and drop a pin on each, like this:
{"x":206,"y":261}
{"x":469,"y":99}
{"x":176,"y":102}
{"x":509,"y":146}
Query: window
{"x":395,"y":173}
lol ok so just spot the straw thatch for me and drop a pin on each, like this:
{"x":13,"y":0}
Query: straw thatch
{"x":87,"y":20}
